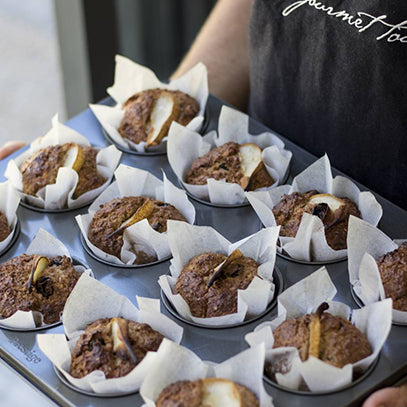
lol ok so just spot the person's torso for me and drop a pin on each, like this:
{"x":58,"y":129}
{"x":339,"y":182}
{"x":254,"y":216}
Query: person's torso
{"x":331,"y":75}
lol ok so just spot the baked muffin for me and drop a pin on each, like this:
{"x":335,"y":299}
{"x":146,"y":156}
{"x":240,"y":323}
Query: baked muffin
{"x":329,"y":338}
{"x":234,"y":163}
{"x":113,"y":345}
{"x":41,"y":168}
{"x":210,"y":286}
{"x":5,"y":229}
{"x":393,"y":272}
{"x":334,"y":213}
{"x":36,"y":283}
{"x":138,"y":122}
{"x":109,"y":222}
{"x":209,"y":392}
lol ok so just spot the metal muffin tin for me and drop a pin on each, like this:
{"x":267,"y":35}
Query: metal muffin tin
{"x":20,"y":351}
{"x":312,"y":263}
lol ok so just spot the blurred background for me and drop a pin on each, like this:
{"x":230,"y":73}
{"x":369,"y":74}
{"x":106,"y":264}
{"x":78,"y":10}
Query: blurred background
{"x":57,"y":56}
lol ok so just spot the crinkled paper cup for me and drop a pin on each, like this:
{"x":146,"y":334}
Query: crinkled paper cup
{"x":185,"y":146}
{"x":136,"y":182}
{"x":175,"y":363}
{"x":366,"y":244}
{"x":187,"y":241}
{"x":310,"y":244}
{"x":374,"y":320}
{"x":131,"y":78}
{"x":9,"y":201}
{"x":89,"y":301}
{"x":58,"y":197}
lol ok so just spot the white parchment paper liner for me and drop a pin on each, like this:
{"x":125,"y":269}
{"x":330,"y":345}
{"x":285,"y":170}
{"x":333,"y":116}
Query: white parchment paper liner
{"x":43,"y":244}
{"x":9,"y":201}
{"x":131,"y":78}
{"x":89,"y":301}
{"x":187,"y":241}
{"x":366,"y":244}
{"x":310,"y":242}
{"x":132,"y":181}
{"x":185,"y":146}
{"x":174,"y":363}
{"x":60,"y":194}
{"x":304,"y":297}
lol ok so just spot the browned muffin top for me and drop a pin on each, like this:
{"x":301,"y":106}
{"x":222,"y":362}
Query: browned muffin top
{"x":212,"y":294}
{"x":106,"y":228}
{"x":5,"y":229}
{"x":114,"y":346}
{"x":135,"y":125}
{"x":209,"y":392}
{"x":330,"y":338}
{"x":42,"y":168}
{"x":288,"y":213}
{"x":393,"y":272}
{"x":46,"y":294}
{"x":224,"y":163}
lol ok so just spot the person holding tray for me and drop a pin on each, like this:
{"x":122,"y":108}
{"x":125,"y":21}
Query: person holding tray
{"x":326,"y":75}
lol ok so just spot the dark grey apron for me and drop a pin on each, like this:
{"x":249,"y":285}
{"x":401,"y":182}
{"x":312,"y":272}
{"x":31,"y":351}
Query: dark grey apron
{"x":332,"y":77}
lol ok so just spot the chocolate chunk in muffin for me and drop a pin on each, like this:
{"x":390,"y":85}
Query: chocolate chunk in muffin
{"x":136,"y":124}
{"x":42,"y":168}
{"x":393,"y":272}
{"x":209,"y":392}
{"x":109,"y":222}
{"x":212,"y":297}
{"x":5,"y":229}
{"x":334,"y":213}
{"x":231,"y":162}
{"x":329,"y":338}
{"x":46,"y":292}
{"x":113,"y":345}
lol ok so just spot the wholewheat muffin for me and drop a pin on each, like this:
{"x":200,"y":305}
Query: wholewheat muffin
{"x":113,"y":345}
{"x":106,"y":231}
{"x":288,"y":214}
{"x":5,"y":229}
{"x":225,"y":163}
{"x":135,"y":125}
{"x":45,"y":292}
{"x":330,"y":338}
{"x":393,"y":272}
{"x":209,"y":392}
{"x":208,"y":293}
{"x":42,"y":168}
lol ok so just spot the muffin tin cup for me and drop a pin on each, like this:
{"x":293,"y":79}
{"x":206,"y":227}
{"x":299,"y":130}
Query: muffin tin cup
{"x":315,"y":263}
{"x":127,"y":266}
{"x":42,"y":210}
{"x":279,"y":287}
{"x":362,"y":377}
{"x":62,"y":378}
{"x":361,"y":304}
{"x":75,"y":262}
{"x":245,"y":203}
{"x":16,"y":233}
{"x":131,"y":151}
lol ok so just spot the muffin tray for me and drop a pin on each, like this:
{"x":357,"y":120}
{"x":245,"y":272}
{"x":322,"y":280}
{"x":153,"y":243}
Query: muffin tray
{"x":20,"y":351}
